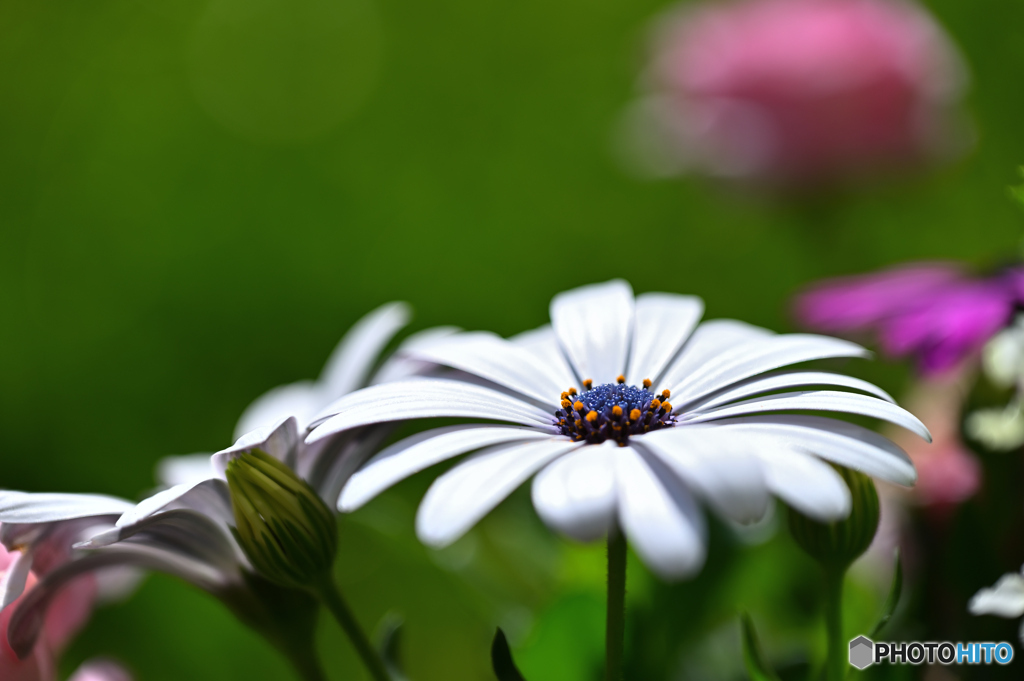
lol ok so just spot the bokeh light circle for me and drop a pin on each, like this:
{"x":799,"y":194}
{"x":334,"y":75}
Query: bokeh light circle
{"x":284,"y":71}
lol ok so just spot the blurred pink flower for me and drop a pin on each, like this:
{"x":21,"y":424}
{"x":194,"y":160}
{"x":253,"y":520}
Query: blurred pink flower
{"x":947,"y":472}
{"x":70,"y":610}
{"x":802,"y":90}
{"x":932,"y":311}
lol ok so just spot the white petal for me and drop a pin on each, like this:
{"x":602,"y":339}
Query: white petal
{"x":100,"y":670}
{"x":594,"y":325}
{"x":419,"y":452}
{"x":719,"y":468}
{"x":843,"y":443}
{"x":48,"y":507}
{"x":210,"y":497}
{"x":576,"y":494}
{"x":499,"y":361}
{"x":542,"y":343}
{"x":182,"y":531}
{"x":818,"y":400}
{"x":708,"y":341}
{"x":189,"y":468}
{"x":754,"y":357}
{"x":663,"y":323}
{"x":1005,"y":599}
{"x":341,"y":457}
{"x":465,"y":494}
{"x":658,"y":516}
{"x":302,"y":400}
{"x":807,"y":484}
{"x":12,"y":584}
{"x":400,"y":366}
{"x":426,"y":398}
{"x":280,"y":440}
{"x":788,"y":379}
{"x":349,"y":365}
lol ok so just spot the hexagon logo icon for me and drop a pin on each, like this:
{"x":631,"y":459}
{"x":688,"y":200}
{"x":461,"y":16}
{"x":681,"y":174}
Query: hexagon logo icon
{"x":862,"y":652}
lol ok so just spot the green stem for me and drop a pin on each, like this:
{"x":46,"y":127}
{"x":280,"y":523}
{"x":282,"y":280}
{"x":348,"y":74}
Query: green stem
{"x":615,"y":630}
{"x":331,"y":597}
{"x":836,"y":664}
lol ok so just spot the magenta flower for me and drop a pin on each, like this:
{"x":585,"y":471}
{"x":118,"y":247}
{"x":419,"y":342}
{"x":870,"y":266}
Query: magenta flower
{"x":934,"y":311}
{"x":800,"y":90}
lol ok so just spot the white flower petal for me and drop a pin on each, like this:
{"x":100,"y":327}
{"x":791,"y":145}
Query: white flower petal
{"x":663,"y":323}
{"x":708,"y":341}
{"x":302,"y":400}
{"x":499,"y":361}
{"x":818,"y":400}
{"x":280,"y":440}
{"x":48,"y":507}
{"x":12,"y":584}
{"x":349,"y":365}
{"x":420,"y":451}
{"x":400,"y":366}
{"x":210,"y":497}
{"x":542,"y":343}
{"x":788,"y":379}
{"x":576,"y":494}
{"x":594,"y":325}
{"x":29,"y":615}
{"x":188,"y":468}
{"x":717,"y":465}
{"x":658,"y":515}
{"x":426,"y":398}
{"x":100,"y":670}
{"x":342,"y":457}
{"x":465,"y":494}
{"x":807,"y":484}
{"x":843,"y":443}
{"x":756,"y":357}
{"x":1005,"y":599}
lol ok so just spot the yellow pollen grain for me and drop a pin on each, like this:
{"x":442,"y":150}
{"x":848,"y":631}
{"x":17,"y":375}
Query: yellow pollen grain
{"x":565,"y":395}
{"x":587,"y":383}
{"x":620,"y":379}
{"x":566,"y":404}
{"x":655,"y":403}
{"x":617,"y":411}
{"x":647,"y":383}
{"x":635,"y":415}
{"x":578,"y":406}
{"x":592,"y":416}
{"x":666,"y":406}
{"x":572,"y":391}
{"x":666,"y":393}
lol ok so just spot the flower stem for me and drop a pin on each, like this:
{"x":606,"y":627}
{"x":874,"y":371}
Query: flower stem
{"x":615,"y":629}
{"x":332,"y":598}
{"x":836,"y":660}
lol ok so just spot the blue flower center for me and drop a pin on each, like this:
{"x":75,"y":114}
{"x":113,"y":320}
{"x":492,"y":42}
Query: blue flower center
{"x":612,"y":411}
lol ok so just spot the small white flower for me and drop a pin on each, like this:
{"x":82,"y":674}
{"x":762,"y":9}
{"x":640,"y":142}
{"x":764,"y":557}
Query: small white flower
{"x":998,"y":428}
{"x":1003,"y":356}
{"x":1005,"y":599}
{"x":612,"y":449}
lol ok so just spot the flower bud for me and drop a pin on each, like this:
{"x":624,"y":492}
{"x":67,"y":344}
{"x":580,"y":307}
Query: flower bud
{"x":285,"y":529}
{"x":837,"y":544}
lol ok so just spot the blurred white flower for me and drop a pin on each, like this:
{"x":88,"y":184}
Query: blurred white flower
{"x":617,"y":452}
{"x":101,"y":670}
{"x":1002,"y":428}
{"x":1005,"y":599}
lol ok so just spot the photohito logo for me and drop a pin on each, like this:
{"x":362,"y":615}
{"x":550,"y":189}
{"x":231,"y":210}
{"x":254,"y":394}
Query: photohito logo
{"x":864,"y":652}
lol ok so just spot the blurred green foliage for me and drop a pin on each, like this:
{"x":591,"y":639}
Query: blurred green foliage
{"x":198,"y":197}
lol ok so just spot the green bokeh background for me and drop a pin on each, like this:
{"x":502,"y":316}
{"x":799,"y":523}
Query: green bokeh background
{"x":198,"y":197}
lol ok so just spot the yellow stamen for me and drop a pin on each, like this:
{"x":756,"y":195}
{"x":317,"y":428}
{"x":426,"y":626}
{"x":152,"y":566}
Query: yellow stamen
{"x":620,"y":379}
{"x":665,"y":394}
{"x":635,"y":415}
{"x":617,"y":411}
{"x":578,"y":406}
{"x":647,"y":383}
{"x":587,"y":383}
{"x":592,"y":416}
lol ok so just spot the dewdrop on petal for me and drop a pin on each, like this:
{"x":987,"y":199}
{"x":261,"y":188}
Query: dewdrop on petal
{"x":285,"y":529}
{"x":837,"y":544}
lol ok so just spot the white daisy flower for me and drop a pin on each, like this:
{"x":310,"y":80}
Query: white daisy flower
{"x":184,"y":531}
{"x":1005,"y":599}
{"x":326,"y":465}
{"x":628,"y":411}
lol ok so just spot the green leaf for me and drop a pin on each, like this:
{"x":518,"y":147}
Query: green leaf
{"x":389,"y":637}
{"x":894,"y":596}
{"x":501,"y":659}
{"x":753,"y":658}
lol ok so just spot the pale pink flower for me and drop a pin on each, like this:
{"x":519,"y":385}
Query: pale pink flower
{"x":801,"y":90}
